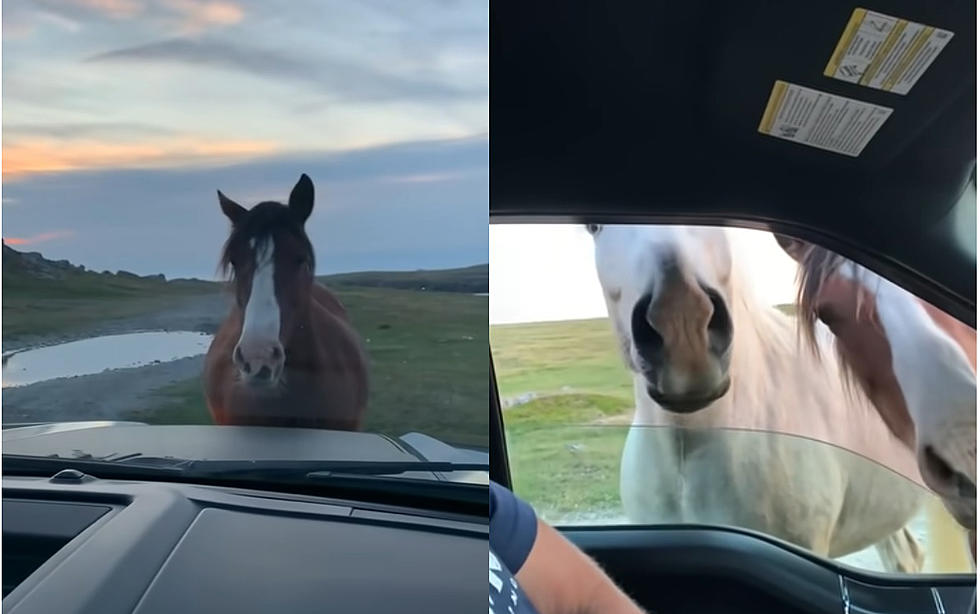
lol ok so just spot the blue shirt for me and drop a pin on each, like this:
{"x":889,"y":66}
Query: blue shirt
{"x":513,"y":529}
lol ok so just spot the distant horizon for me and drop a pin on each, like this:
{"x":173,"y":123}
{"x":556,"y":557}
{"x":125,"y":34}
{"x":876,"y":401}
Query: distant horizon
{"x":20,"y":250}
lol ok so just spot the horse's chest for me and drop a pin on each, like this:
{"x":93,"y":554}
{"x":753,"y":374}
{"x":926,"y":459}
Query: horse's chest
{"x":302,"y":401}
{"x":749,"y":479}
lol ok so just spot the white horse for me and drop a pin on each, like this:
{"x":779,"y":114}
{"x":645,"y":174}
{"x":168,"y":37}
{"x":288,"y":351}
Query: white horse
{"x":716,"y":365}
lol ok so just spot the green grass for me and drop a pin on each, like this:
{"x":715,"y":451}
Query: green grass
{"x":428,"y":367}
{"x":179,"y":403}
{"x":563,"y":458}
{"x":427,"y":349}
{"x":564,"y":447}
{"x":554,"y":357}
{"x":34,"y":306}
{"x":472,"y":279}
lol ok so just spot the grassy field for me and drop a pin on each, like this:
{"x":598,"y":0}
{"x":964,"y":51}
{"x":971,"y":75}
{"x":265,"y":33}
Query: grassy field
{"x":472,"y":279}
{"x":39,"y":306}
{"x":557,"y":357}
{"x":427,"y":349}
{"x":564,"y":445}
{"x":429,"y":370}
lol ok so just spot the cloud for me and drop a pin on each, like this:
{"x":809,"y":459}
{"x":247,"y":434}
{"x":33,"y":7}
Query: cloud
{"x":117,"y":9}
{"x":422,"y":178}
{"x":31,"y":156}
{"x":167,"y":220}
{"x":72,"y":130}
{"x":196,"y":16}
{"x":340,"y":79}
{"x":39,"y":238}
{"x":79,"y":11}
{"x":181,"y":16}
{"x":208,"y":53}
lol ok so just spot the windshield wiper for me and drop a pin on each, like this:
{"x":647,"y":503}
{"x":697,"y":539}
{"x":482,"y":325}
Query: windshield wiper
{"x":311,"y":469}
{"x":376,"y":480}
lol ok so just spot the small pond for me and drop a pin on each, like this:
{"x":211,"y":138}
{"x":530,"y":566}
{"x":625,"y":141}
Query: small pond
{"x":98,"y":354}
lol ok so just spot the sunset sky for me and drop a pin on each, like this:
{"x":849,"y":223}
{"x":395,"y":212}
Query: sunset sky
{"x":122,"y":117}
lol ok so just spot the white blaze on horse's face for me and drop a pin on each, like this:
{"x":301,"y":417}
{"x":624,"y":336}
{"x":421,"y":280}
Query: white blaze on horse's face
{"x":259,"y":355}
{"x":940,"y":391}
{"x":667,"y":292}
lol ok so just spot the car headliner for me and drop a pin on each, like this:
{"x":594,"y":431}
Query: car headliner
{"x":648,"y":111}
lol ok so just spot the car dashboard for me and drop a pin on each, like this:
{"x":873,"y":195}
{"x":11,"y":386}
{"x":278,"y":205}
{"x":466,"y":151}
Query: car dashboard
{"x":76,"y":544}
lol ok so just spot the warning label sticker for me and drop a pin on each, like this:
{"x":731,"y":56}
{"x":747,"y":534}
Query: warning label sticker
{"x":884,"y":52}
{"x":821,"y":120}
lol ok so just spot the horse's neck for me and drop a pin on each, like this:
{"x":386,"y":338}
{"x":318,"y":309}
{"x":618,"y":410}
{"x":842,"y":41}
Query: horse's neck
{"x":302,"y":348}
{"x":323,"y":336}
{"x":963,"y":335}
{"x":930,"y":364}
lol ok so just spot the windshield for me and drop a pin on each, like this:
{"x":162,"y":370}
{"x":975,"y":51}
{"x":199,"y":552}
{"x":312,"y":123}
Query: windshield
{"x":664,"y":375}
{"x":247,"y":231}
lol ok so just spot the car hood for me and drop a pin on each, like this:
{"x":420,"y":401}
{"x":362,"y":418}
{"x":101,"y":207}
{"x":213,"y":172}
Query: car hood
{"x":106,"y":440}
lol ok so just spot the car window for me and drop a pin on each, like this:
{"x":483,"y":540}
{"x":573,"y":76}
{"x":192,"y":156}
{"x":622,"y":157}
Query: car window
{"x":659,"y":375}
{"x":246,"y":215}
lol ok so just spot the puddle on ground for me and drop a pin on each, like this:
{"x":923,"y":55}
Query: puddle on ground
{"x":97,"y":354}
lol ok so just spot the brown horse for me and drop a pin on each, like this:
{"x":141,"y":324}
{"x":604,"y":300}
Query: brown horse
{"x":915,"y":363}
{"x":286,"y":355}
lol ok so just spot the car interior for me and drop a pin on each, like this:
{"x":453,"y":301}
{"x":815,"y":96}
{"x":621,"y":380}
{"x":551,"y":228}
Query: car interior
{"x":649,"y":113}
{"x":76,"y":543}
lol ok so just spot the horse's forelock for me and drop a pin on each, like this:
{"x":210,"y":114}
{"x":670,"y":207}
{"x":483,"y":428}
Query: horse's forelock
{"x":263,"y":220}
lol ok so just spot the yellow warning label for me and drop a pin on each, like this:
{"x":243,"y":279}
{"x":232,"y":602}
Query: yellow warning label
{"x":821,"y":120}
{"x":884,"y":52}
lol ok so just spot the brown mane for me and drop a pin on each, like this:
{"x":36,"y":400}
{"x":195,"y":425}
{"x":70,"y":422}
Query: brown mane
{"x":816,"y":266}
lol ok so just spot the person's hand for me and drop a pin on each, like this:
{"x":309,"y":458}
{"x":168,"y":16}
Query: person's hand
{"x":559,"y":578}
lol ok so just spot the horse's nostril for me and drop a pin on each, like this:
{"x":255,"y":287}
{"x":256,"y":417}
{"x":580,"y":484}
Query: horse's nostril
{"x":276,"y":353}
{"x":648,"y":341}
{"x":939,"y":468}
{"x":945,"y":476}
{"x":720,"y":324}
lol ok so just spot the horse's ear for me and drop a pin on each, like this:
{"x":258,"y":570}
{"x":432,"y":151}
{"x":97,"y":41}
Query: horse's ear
{"x":301,"y":198}
{"x":232,"y":210}
{"x":794,"y":247}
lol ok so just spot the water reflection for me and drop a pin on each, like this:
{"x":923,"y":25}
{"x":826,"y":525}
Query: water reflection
{"x":98,"y":354}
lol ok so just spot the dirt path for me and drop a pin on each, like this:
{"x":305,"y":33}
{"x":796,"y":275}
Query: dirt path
{"x":116,"y":394}
{"x":110,"y":395}
{"x":202,"y":313}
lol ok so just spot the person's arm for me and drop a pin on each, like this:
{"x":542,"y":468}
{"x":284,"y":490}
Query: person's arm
{"x":560,"y":579}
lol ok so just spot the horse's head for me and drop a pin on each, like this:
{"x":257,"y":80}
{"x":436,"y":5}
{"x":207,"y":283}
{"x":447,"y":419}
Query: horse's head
{"x":271,"y":262}
{"x":914,"y":373}
{"x":668,"y":293}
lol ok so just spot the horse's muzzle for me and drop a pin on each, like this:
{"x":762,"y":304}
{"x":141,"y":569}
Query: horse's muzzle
{"x":258,"y":366}
{"x":687,"y":404}
{"x":264,"y":378}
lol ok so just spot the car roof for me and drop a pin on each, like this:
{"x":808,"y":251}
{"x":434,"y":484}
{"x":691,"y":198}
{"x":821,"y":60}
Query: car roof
{"x":638,"y":111}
